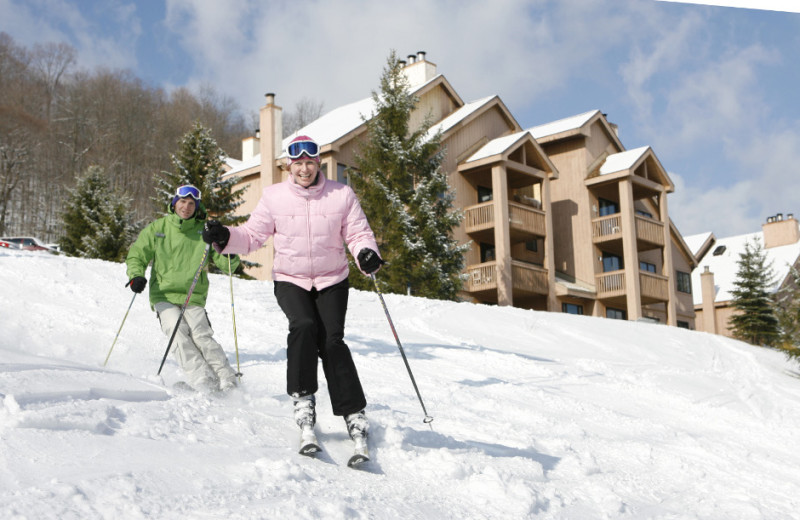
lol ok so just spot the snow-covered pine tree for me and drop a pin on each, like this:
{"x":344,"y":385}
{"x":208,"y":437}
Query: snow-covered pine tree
{"x":199,"y":161}
{"x":98,"y":222}
{"x":755,"y":320}
{"x":405,"y":196}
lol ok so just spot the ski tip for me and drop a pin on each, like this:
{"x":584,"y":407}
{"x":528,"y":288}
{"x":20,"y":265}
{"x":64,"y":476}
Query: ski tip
{"x":310,"y":449}
{"x":357,"y":460}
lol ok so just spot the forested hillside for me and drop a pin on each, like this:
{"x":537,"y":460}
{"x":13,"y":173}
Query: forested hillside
{"x":57,"y":120}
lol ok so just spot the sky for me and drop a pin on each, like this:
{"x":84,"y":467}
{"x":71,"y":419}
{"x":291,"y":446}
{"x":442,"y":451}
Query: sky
{"x":711,"y":88}
{"x":535,"y":414}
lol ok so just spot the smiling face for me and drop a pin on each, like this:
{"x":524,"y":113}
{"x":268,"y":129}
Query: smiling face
{"x":185,"y":207}
{"x":304,"y":171}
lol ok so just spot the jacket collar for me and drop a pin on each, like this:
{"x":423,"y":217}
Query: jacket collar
{"x":312,"y":190}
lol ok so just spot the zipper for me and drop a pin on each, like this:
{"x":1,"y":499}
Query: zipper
{"x":308,"y":235}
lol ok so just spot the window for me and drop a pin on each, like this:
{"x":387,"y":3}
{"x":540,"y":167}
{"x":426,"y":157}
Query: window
{"x":611,"y":262}
{"x":646,"y":266}
{"x":572,"y":308}
{"x":607,"y":207}
{"x":341,"y":173}
{"x":532,"y":245}
{"x":683,"y":324}
{"x":644,"y":213}
{"x":684,"y":281}
{"x":719,"y":250}
{"x":615,"y":314}
{"x":487,"y":252}
{"x":484,"y":194}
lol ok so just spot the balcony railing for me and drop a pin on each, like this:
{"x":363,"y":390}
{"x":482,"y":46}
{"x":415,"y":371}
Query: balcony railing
{"x":610,"y":227}
{"x":521,"y":218}
{"x":525,"y":277}
{"x":652,"y":286}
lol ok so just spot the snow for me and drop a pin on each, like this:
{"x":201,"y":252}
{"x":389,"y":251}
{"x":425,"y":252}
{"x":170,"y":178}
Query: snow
{"x":537,"y":414}
{"x":622,"y":161}
{"x":725,"y":266}
{"x":562,"y":125}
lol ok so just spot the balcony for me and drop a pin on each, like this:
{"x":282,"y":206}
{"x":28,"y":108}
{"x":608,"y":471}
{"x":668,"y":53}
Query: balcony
{"x":653,"y":287}
{"x":524,"y":222}
{"x":609,"y":228}
{"x":526,"y":279}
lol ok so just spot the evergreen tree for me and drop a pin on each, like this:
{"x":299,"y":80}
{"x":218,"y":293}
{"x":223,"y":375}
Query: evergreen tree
{"x":199,"y":161}
{"x":405,"y":196}
{"x":98,"y":223}
{"x":755,"y":321}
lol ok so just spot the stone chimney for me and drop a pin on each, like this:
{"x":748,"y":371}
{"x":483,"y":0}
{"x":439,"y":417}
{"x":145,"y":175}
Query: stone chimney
{"x":780,"y":231}
{"x":709,"y":294}
{"x":271,"y":136}
{"x":419,"y":70}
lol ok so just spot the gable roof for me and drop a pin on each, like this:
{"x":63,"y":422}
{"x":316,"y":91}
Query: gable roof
{"x":725,"y":265}
{"x":458,"y":116}
{"x":630,"y":160}
{"x":562,"y":126}
{"x":578,"y":125}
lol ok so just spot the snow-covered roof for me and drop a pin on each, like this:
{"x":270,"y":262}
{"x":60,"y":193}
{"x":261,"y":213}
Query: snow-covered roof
{"x":622,"y":161}
{"x":696,"y":242}
{"x":725,"y":265}
{"x":459,"y":115}
{"x":342,"y":120}
{"x":562,"y":125}
{"x":335,"y":124}
{"x":496,"y":146}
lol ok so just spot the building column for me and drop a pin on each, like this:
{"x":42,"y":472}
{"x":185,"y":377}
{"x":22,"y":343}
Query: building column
{"x":668,"y":271}
{"x":630,"y":255}
{"x":709,"y":294}
{"x":502,"y":238}
{"x":549,"y":247}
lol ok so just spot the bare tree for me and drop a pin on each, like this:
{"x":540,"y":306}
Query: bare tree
{"x":305,"y":111}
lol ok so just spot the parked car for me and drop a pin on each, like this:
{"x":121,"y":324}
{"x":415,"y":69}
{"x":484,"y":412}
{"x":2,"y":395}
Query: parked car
{"x":28,"y":243}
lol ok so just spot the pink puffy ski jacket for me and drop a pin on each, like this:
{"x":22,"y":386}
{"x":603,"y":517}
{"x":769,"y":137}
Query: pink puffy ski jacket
{"x":310,"y":227}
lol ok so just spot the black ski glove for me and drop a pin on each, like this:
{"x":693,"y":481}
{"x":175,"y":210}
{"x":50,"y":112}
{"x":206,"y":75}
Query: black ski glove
{"x":216,"y":233}
{"x":369,"y":261}
{"x":138,"y":284}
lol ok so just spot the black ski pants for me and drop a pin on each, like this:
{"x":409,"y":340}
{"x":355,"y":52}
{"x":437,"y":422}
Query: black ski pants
{"x":316,"y":329}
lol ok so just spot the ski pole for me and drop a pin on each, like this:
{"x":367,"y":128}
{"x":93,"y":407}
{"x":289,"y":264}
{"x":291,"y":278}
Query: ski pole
{"x":120,"y":326}
{"x":428,"y":419}
{"x":185,"y":304}
{"x":233,"y":316}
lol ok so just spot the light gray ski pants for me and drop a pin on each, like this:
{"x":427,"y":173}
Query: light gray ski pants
{"x":194,"y":347}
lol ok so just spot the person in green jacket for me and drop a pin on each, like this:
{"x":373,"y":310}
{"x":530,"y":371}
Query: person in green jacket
{"x":174,"y":243}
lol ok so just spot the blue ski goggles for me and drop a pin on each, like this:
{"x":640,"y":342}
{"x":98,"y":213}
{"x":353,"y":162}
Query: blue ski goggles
{"x":187,"y":190}
{"x":297,"y":149}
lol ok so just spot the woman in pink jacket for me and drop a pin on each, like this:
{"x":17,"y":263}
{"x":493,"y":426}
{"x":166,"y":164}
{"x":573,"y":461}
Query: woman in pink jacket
{"x":310,"y":219}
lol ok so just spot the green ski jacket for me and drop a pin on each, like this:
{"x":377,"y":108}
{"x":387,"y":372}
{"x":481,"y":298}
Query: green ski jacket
{"x":175,"y":247}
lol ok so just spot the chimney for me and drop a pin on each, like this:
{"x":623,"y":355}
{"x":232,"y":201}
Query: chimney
{"x":709,"y":294}
{"x":271,"y":135}
{"x":779,"y":231}
{"x":419,"y":70}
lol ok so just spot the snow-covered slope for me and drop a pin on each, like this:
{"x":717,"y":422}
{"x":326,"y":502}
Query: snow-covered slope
{"x":537,"y":414}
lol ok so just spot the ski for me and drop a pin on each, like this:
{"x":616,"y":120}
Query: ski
{"x":309,"y":445}
{"x":360,"y":452}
